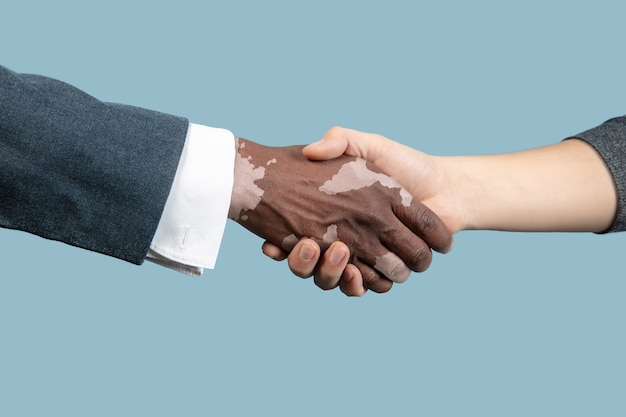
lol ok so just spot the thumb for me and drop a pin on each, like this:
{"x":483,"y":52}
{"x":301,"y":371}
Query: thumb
{"x":339,"y":140}
{"x":333,"y":144}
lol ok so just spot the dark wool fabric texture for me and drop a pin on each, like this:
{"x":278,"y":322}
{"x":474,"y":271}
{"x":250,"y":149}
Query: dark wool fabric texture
{"x":74,"y":169}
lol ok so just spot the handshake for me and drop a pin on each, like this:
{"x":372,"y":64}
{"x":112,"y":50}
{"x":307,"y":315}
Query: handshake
{"x":359,"y":211}
{"x":355,"y":210}
{"x":369,"y":231}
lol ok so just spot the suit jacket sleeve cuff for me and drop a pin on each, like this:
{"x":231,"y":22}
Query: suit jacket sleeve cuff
{"x":190,"y":231}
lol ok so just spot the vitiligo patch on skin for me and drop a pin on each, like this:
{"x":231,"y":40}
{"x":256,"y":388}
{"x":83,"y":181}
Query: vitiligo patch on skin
{"x":249,"y":193}
{"x":331,"y":234}
{"x":282,"y":197}
{"x":356,"y":175}
{"x":329,"y":237}
{"x":392,"y":267}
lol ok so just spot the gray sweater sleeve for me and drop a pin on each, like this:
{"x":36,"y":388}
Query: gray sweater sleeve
{"x":609,"y":140}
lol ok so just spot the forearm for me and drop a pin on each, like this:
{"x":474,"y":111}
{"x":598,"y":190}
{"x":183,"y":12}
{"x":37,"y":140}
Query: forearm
{"x":561,"y":187}
{"x":91,"y":174}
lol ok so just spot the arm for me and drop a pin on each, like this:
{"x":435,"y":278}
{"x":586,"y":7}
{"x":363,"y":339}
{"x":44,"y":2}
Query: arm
{"x":562,"y":187}
{"x":97,"y":175}
{"x":91,"y":174}
{"x":573,"y":185}
{"x":565,"y":187}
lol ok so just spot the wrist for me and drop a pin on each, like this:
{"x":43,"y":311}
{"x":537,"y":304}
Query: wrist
{"x":486,"y":196}
{"x":460,"y":187}
{"x":246,"y":195}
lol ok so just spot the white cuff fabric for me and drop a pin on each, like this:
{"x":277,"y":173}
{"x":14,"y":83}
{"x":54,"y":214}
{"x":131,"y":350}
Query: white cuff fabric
{"x":190,"y":232}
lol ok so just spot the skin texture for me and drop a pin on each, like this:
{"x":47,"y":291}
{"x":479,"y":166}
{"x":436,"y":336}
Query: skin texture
{"x":563,"y":187}
{"x":283,"y":197}
{"x":355,"y":175}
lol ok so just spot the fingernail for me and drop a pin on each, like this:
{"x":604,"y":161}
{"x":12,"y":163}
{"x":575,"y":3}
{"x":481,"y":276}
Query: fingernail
{"x":337,"y":256}
{"x":307,"y":253}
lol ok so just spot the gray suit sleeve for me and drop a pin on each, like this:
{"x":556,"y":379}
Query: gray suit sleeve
{"x":609,"y":140}
{"x":74,"y":169}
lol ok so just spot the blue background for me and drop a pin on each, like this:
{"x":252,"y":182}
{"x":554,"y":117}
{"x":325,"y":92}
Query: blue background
{"x":507,"y":324}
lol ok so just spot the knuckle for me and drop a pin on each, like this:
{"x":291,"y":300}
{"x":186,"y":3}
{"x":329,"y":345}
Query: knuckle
{"x":427,"y":221}
{"x":334,"y":131}
{"x":421,"y":257}
{"x":388,"y":234}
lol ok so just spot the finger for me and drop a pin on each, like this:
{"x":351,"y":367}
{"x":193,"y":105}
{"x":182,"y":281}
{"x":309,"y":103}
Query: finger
{"x":351,"y":282}
{"x":407,"y":252}
{"x":372,"y":280}
{"x":426,"y":224}
{"x":273,"y":251}
{"x":332,"y":145}
{"x":332,"y":265}
{"x":392,"y":267}
{"x":304,"y":257}
{"x":339,"y":140}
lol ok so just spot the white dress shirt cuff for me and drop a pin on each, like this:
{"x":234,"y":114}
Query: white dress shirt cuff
{"x":190,"y":232}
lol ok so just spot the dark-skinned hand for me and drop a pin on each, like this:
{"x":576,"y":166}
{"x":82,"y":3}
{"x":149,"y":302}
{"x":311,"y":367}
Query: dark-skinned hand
{"x":283,"y":197}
